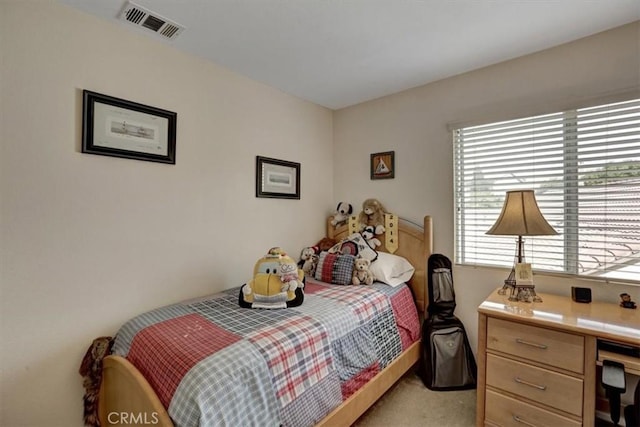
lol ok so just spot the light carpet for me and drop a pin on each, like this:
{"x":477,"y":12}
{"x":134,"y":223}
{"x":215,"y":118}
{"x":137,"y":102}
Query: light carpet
{"x":409,"y":403}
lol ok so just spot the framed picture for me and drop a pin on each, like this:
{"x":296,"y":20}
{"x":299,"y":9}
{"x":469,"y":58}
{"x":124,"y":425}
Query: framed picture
{"x":524,"y":274}
{"x":383,"y":165}
{"x":277,"y":179}
{"x":120,"y":128}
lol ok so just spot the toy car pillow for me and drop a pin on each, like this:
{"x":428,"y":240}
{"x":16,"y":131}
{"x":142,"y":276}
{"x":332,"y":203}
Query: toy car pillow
{"x":277,"y":283}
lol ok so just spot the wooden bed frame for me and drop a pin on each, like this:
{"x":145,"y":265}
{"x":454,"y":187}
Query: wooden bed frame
{"x":125,"y":395}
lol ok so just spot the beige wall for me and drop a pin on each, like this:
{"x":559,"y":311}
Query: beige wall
{"x":88,"y":241}
{"x":414,"y":124}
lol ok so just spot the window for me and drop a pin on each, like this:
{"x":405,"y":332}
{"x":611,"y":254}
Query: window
{"x":584,"y":166}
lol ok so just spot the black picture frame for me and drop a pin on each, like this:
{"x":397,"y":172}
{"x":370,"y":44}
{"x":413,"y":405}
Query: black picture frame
{"x":277,"y":179}
{"x":120,"y":128}
{"x":382,"y":165}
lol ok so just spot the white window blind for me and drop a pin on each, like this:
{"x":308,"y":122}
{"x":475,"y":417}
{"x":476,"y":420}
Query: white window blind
{"x":584,"y":166}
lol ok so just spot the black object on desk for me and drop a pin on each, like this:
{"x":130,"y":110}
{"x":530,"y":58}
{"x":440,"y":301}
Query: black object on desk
{"x":581,"y":294}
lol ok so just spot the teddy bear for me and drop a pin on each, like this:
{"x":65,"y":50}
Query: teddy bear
{"x":308,"y":261}
{"x":369,"y":235}
{"x":361,"y":273}
{"x":372,"y":214}
{"x":343,"y":211}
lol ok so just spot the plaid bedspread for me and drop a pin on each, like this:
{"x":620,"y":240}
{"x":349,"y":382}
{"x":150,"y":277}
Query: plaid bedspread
{"x":214,"y":363}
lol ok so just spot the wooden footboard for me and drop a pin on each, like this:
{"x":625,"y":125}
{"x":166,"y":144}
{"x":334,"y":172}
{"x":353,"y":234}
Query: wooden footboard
{"x":126,"y":398}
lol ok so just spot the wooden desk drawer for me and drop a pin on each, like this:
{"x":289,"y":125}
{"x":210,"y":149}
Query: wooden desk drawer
{"x":558,"y":349}
{"x":506,"y":412}
{"x":540,"y":385}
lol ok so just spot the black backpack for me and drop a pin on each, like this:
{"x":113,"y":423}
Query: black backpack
{"x":447,"y":360}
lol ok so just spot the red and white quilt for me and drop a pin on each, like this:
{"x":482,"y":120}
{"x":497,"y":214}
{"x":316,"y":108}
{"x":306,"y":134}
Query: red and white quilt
{"x":214,"y":363}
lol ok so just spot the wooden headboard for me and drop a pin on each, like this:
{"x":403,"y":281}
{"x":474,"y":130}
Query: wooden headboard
{"x":415,"y":243}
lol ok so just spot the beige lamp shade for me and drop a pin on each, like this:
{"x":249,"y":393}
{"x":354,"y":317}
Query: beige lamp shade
{"x":521,"y":216}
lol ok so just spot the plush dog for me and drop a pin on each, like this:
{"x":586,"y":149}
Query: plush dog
{"x":361,"y":273}
{"x":308,"y":261}
{"x":306,"y":254}
{"x":372,"y":214}
{"x":369,"y":235}
{"x":343,"y":211}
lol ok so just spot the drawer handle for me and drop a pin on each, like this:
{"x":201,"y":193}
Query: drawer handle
{"x":532,"y":344}
{"x":520,"y":420}
{"x":538,"y":386}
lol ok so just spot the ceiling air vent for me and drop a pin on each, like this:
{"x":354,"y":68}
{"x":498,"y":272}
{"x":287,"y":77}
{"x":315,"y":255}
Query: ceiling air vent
{"x":141,"y":17}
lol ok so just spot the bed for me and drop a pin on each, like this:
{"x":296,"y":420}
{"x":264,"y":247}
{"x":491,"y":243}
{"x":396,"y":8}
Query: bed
{"x":325,"y":393}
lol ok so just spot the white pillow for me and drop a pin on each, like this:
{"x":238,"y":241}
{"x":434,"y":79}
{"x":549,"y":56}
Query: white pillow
{"x":391,"y":269}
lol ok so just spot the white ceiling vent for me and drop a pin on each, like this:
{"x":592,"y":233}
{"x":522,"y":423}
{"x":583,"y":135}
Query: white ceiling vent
{"x":151,"y":21}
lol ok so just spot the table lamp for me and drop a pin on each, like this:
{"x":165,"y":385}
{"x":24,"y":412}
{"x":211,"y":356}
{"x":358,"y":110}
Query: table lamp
{"x":520,"y":216}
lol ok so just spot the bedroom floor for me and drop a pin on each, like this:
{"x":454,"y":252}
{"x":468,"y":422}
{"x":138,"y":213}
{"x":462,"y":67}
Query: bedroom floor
{"x":410,"y":403}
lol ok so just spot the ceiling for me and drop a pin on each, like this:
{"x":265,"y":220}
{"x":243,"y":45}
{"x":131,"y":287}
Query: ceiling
{"x":338,"y":53}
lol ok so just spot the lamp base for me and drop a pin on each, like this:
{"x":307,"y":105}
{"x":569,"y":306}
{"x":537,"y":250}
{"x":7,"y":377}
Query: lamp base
{"x":520,"y":293}
{"x":524,"y":293}
{"x":507,"y":288}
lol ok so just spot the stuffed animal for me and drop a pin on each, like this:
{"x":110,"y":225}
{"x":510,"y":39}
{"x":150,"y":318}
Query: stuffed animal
{"x":369,"y":235}
{"x":308,"y":261}
{"x":277,"y":283}
{"x":289,"y":276}
{"x":306,"y":254}
{"x":361,"y":273}
{"x":372,"y":214}
{"x":324,"y":244}
{"x":310,"y":265}
{"x":91,"y":371}
{"x":343,"y":211}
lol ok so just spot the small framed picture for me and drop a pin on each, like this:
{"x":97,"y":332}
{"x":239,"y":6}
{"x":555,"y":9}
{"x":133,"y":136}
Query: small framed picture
{"x":277,"y":179}
{"x":383,"y":165}
{"x":524,"y":274}
{"x":120,"y":128}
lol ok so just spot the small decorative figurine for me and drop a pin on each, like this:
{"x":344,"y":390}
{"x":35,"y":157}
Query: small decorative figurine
{"x":626,"y":301}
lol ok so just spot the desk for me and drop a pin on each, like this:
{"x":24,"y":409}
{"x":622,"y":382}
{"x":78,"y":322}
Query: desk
{"x":537,"y":361}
